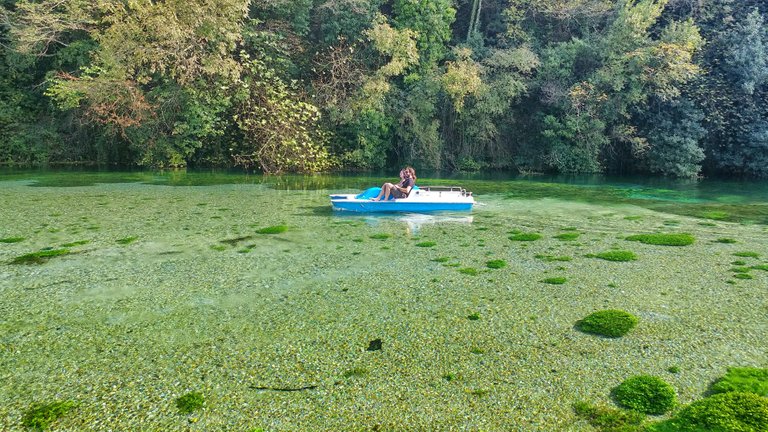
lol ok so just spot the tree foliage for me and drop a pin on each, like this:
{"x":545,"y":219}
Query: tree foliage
{"x":670,"y":87}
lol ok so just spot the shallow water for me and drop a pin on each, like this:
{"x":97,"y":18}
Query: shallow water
{"x":199,"y":301}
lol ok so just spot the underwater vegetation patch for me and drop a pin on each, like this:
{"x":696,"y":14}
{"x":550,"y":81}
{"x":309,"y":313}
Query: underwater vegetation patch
{"x":555,"y":280}
{"x":474,"y":316}
{"x":426,"y":244}
{"x":477,"y":350}
{"x":552,"y":258}
{"x":715,"y":215}
{"x":632,"y":218}
{"x":610,"y":323}
{"x":380,"y":236}
{"x":468,"y":271}
{"x":12,"y":239}
{"x":742,"y":379}
{"x":525,"y":237}
{"x":126,"y":240}
{"x":726,"y":240}
{"x":732,"y":411}
{"x":615,"y":255}
{"x":190,"y":402}
{"x":660,"y":239}
{"x":763,"y":267}
{"x":40,"y":257}
{"x":358,"y":372}
{"x":41,"y":416}
{"x":569,"y":236}
{"x":76,"y":243}
{"x":496,"y":264}
{"x":234,"y":241}
{"x":743,"y":276}
{"x":747,"y":254}
{"x":607,"y":418}
{"x":276,"y":229}
{"x":441,"y":259}
{"x":646,"y":394}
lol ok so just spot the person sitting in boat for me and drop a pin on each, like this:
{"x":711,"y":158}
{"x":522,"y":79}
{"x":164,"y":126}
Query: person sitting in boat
{"x":400,"y":190}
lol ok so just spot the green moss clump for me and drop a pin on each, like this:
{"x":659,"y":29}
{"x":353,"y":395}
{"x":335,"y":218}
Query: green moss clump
{"x":468,"y":271}
{"x":12,"y":239}
{"x":555,"y":280}
{"x":646,"y":394}
{"x":747,"y":254}
{"x":496,"y":264}
{"x":615,"y":255}
{"x":426,"y":244}
{"x":525,"y":237}
{"x":190,"y":402}
{"x":41,"y":416}
{"x":277,"y":229}
{"x":474,"y":316}
{"x":663,"y":239}
{"x":40,"y":257}
{"x":611,"y":323}
{"x":726,"y":240}
{"x":381,"y":236}
{"x":126,"y":240}
{"x":608,"y":419}
{"x":723,"y":412}
{"x":743,"y":379}
{"x":358,"y":372}
{"x":551,"y":258}
{"x":570,"y":236}
{"x":76,"y":243}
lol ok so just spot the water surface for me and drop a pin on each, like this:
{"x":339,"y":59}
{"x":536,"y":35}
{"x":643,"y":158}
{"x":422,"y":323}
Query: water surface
{"x":169,"y":288}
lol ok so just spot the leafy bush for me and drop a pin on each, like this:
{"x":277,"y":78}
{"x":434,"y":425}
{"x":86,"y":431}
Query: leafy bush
{"x":743,"y":379}
{"x":723,"y":412}
{"x":609,"y":323}
{"x":663,"y":239}
{"x":646,"y":394}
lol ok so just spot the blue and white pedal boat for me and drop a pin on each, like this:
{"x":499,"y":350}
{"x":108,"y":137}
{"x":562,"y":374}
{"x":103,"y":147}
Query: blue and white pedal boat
{"x":420,"y":200}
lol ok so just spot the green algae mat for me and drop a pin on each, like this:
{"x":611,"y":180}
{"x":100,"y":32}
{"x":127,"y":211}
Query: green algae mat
{"x":165,"y":302}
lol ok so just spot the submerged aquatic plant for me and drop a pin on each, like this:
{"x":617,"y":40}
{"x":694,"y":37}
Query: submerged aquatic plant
{"x":358,"y":372}
{"x":743,"y":379}
{"x":726,"y":240}
{"x":610,"y":323}
{"x":496,"y":264}
{"x":40,"y":257}
{"x":41,"y":416}
{"x":660,"y":239}
{"x":75,"y":243}
{"x":126,"y":240}
{"x":646,"y":394}
{"x":608,"y":419}
{"x":190,"y":402}
{"x":277,"y":229}
{"x":569,"y":236}
{"x":615,"y":255}
{"x":380,"y":236}
{"x":551,"y":258}
{"x":426,"y":244}
{"x":732,"y":411}
{"x":468,"y":271}
{"x":525,"y":237}
{"x":747,"y":254}
{"x":555,"y":280}
{"x":12,"y":239}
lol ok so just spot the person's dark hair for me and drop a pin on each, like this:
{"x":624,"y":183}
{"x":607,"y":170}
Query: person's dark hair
{"x":412,"y":173}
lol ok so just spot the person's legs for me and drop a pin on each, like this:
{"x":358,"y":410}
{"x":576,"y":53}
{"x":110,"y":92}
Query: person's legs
{"x":386,"y":188}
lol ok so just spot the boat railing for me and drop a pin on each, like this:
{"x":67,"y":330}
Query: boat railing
{"x":440,"y":189}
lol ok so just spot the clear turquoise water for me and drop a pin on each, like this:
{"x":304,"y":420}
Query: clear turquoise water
{"x":200,"y":301}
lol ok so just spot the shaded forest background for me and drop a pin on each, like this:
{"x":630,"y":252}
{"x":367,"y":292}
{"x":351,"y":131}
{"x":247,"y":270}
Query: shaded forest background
{"x":670,"y":87}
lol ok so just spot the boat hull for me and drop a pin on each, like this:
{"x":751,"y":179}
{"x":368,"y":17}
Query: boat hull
{"x":422,"y":200}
